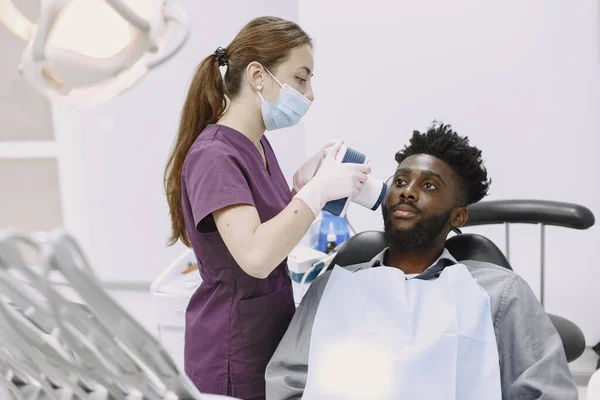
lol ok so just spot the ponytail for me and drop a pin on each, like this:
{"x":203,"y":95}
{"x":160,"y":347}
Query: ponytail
{"x":266,"y":40}
{"x":204,"y":104}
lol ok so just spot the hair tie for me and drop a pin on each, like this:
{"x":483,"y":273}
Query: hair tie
{"x":220,"y":55}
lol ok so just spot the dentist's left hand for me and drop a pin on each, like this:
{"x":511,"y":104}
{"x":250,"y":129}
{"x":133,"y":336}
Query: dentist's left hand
{"x":306,"y":172}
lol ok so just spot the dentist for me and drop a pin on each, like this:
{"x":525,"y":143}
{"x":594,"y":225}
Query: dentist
{"x":230,"y":202}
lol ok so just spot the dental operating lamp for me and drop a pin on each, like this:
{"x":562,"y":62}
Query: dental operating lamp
{"x":86,"y":52}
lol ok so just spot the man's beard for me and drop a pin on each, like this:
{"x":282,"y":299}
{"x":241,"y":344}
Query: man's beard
{"x":421,"y":236}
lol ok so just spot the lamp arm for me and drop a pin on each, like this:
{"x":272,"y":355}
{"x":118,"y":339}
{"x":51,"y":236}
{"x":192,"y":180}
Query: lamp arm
{"x":15,"y":21}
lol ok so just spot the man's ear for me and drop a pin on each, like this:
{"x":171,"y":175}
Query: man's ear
{"x":459,"y":217}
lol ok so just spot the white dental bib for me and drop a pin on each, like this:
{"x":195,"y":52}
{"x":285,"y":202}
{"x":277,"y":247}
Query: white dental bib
{"x":377,"y":335}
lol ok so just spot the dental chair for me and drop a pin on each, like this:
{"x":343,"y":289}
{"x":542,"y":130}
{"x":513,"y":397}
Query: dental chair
{"x":366,"y":245}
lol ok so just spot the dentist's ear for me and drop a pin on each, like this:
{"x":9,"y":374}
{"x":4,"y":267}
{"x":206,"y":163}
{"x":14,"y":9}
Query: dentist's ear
{"x":254,"y":72}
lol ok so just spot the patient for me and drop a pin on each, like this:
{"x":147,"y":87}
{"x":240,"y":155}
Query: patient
{"x":414,"y":323}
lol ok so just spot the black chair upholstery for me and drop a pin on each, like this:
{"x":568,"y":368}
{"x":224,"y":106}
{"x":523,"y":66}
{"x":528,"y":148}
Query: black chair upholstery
{"x":359,"y":249}
{"x":470,"y":246}
{"x":366,"y":245}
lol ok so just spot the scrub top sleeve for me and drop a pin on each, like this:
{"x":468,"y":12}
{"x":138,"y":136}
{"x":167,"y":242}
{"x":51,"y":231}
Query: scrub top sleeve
{"x":214,"y":179}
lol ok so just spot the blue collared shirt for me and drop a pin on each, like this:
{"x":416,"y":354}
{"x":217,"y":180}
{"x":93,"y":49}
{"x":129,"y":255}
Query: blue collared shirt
{"x":533,"y":364}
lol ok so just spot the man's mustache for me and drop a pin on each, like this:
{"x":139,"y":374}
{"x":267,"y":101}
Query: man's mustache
{"x":405,"y":203}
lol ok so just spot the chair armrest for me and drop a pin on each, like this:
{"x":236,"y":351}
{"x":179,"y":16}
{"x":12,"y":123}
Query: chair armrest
{"x":567,"y":215}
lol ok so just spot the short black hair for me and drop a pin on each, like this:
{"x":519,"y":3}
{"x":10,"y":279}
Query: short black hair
{"x":442,"y":142}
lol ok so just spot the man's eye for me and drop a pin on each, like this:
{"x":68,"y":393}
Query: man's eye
{"x":300,"y":79}
{"x":400,"y":181}
{"x":430,"y":185}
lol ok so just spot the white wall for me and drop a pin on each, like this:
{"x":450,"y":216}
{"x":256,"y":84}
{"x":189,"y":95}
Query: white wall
{"x":521,"y":79}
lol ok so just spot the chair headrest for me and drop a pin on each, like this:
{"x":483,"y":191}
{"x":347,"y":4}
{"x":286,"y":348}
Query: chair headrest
{"x":360,"y":248}
{"x":364,"y":246}
{"x":470,"y":246}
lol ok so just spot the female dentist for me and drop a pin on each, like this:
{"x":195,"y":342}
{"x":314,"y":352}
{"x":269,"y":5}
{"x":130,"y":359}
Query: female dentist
{"x":230,"y":202}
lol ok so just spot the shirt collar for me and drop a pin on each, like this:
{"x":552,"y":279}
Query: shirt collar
{"x":433,"y":270}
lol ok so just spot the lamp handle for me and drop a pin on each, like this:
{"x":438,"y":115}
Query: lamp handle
{"x":129,"y":15}
{"x":44,"y":26}
{"x":178,"y":16}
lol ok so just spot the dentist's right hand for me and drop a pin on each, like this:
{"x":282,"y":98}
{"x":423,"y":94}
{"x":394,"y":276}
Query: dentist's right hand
{"x":333,"y":181}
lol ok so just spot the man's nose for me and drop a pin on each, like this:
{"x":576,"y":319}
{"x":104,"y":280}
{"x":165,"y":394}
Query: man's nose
{"x":408,"y":193}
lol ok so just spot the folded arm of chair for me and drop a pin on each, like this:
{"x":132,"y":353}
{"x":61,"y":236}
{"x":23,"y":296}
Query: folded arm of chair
{"x":556,"y":213}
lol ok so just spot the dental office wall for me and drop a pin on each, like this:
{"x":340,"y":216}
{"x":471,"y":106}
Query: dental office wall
{"x":25,"y":144}
{"x":112,"y":158}
{"x":521,"y":79}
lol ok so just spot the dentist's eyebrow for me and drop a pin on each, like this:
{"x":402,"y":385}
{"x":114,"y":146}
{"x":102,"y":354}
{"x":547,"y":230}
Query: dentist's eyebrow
{"x":308,"y":71}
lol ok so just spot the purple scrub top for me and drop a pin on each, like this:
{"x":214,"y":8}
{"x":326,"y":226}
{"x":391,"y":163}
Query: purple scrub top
{"x":234,"y":322}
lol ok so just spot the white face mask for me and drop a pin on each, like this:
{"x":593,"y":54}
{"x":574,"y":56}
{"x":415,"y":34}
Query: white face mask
{"x":291,"y":106}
